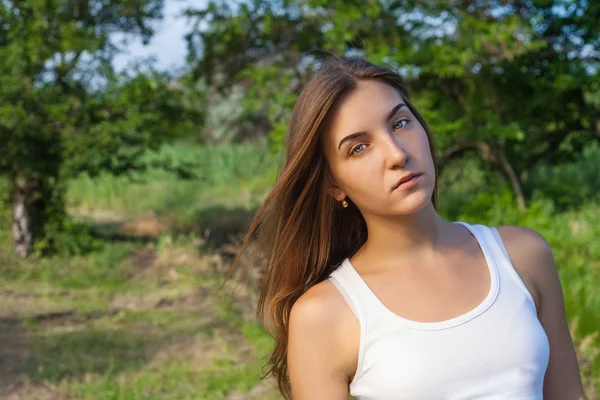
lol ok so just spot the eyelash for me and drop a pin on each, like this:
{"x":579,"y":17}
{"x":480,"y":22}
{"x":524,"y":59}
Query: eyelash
{"x":352,"y":153}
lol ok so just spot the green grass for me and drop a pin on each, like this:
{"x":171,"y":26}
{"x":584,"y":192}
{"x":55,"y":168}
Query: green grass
{"x":89,"y":351}
{"x":179,"y":380}
{"x":170,"y":381}
{"x":117,"y":362}
{"x":140,"y":353}
{"x":100,"y":269}
{"x":233,"y":176}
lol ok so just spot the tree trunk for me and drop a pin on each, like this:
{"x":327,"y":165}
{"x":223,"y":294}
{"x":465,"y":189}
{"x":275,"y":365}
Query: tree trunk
{"x":455,"y":152}
{"x":515,"y":182}
{"x":22,"y":224}
{"x":497,"y":156}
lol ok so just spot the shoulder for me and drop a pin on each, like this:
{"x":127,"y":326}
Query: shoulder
{"x":525,"y":241}
{"x":531,"y":256}
{"x":323,"y":337}
{"x":318,"y":309}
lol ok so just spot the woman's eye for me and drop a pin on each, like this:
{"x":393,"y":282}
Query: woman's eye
{"x":360,"y":147}
{"x":403,"y":122}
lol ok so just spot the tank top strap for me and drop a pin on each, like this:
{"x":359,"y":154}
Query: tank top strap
{"x":507,"y":267}
{"x":347,"y":288}
{"x":499,"y":241}
{"x":355,"y":290}
{"x":486,"y":241}
{"x":491,"y":252}
{"x":490,"y":238}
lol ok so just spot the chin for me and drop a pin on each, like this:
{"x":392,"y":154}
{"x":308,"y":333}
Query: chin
{"x":414,"y":202}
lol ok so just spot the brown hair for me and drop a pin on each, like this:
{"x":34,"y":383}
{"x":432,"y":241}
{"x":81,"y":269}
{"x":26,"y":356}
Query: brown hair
{"x":303,"y":231}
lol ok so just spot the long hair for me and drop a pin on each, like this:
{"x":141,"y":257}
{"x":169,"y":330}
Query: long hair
{"x":302,"y":229}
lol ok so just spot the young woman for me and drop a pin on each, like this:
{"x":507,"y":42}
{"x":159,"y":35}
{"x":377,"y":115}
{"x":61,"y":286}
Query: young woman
{"x":368,"y":291}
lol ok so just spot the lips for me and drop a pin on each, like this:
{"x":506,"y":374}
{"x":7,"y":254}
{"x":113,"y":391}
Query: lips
{"x":405,"y":179}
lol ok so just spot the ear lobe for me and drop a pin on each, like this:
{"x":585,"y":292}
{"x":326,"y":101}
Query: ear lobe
{"x":337,"y":193}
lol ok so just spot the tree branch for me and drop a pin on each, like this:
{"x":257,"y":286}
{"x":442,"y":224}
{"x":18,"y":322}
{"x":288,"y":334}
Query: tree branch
{"x":63,"y":70}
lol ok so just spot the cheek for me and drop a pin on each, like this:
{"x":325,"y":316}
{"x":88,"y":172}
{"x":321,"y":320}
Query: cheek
{"x":364,"y":179}
{"x":423,"y":150}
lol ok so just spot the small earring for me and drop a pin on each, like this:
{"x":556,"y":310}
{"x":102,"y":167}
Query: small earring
{"x":344,"y":203}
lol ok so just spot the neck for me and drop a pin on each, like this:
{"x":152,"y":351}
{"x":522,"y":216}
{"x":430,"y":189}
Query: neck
{"x":404,"y":237}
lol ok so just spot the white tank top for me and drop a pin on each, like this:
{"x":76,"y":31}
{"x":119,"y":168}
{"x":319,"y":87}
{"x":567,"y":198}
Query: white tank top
{"x":498,"y":350}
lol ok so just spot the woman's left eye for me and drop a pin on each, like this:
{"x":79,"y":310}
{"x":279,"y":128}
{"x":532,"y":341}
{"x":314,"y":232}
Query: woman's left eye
{"x":402,"y":121}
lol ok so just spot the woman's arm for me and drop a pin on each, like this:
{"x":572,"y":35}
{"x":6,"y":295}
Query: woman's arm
{"x":531,"y":255}
{"x":315,"y":354}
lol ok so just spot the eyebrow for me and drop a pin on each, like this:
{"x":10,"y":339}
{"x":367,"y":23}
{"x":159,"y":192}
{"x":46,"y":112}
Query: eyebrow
{"x":362,"y":133}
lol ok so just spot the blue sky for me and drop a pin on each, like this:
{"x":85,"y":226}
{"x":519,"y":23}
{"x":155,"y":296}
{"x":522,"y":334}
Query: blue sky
{"x":168,"y":45}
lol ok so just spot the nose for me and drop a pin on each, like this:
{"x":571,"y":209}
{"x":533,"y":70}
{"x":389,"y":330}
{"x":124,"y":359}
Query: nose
{"x":395,"y":155}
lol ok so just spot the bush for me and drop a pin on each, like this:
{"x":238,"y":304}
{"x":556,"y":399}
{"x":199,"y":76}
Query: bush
{"x":569,"y":185}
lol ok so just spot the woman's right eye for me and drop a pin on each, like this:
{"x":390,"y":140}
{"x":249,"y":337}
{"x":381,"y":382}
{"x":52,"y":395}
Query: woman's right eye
{"x":358,"y":147}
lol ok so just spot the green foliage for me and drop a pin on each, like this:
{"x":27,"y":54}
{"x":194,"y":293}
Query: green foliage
{"x":234,"y":175}
{"x":64,"y":111}
{"x":124,"y":121}
{"x":510,"y":82}
{"x":569,"y":185}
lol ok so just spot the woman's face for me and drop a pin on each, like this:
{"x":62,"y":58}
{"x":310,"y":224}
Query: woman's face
{"x":373,"y":142}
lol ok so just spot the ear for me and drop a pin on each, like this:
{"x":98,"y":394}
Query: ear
{"x":336,"y":193}
{"x":333,"y":189}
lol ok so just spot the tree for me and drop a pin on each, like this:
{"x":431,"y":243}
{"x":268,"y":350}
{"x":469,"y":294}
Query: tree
{"x":65,"y":111}
{"x":511,"y":81}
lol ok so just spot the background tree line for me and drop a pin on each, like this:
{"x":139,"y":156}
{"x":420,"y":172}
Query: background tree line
{"x":513,"y":82}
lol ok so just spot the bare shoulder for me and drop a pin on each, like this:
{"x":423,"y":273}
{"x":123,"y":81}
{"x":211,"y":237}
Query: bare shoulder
{"x":526,"y":240}
{"x":323,"y":339}
{"x":318,"y":303}
{"x":531,"y":256}
{"x":321,"y":310}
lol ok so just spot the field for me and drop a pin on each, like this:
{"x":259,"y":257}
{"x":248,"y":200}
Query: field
{"x":134,"y":313}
